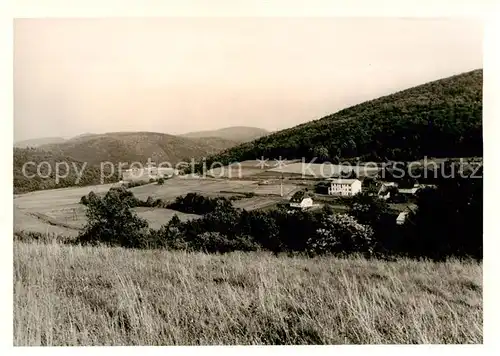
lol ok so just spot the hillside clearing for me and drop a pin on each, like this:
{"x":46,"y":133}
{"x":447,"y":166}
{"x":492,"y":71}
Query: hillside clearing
{"x":71,"y":295}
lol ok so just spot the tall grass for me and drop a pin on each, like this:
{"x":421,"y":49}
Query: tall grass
{"x":72,"y":295}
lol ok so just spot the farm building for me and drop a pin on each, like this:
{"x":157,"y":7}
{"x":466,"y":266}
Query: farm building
{"x":344,"y":187}
{"x":400,"y":220}
{"x":409,"y":191}
{"x":301,"y":200}
{"x":384,"y":191}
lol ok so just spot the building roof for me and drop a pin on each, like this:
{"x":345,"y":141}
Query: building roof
{"x":299,"y":196}
{"x":408,"y":191}
{"x":343,"y":181}
{"x":401,"y":217}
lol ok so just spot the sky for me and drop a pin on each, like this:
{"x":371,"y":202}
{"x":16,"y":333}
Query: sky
{"x":176,"y":75}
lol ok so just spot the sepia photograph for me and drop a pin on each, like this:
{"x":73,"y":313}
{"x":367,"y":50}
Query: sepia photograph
{"x":247,"y":181}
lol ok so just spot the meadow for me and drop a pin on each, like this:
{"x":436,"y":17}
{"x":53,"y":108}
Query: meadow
{"x":59,"y":211}
{"x":74,"y":295}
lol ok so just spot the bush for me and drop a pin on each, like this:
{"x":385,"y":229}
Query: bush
{"x":135,"y":184}
{"x":84,"y":200}
{"x":367,"y":209}
{"x":341,"y":233}
{"x":92,"y":197}
{"x":194,"y":203}
{"x":447,"y":222}
{"x":212,"y":241}
{"x":398,"y":198}
{"x":170,"y":236}
{"x":161,"y":180}
{"x":32,"y":236}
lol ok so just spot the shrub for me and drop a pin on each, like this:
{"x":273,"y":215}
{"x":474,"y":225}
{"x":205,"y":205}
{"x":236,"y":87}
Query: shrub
{"x":322,"y":187}
{"x":32,"y":236}
{"x":110,"y":221}
{"x":341,"y":233}
{"x":194,"y":203}
{"x":92,"y":197}
{"x":161,"y":180}
{"x":367,"y":209}
{"x":170,"y":236}
{"x":84,"y":200}
{"x":135,"y":184}
{"x":212,"y":241}
{"x":448,"y":220}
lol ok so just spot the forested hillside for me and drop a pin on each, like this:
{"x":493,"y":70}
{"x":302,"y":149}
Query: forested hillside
{"x":439,"y":119}
{"x":39,"y":176}
{"x":137,"y":147}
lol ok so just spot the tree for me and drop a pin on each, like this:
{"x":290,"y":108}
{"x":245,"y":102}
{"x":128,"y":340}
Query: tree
{"x":341,"y":233}
{"x":368,"y":209}
{"x":84,"y":200}
{"x":214,"y":241}
{"x":111,"y":221}
{"x":321,"y":153}
{"x":448,"y":220}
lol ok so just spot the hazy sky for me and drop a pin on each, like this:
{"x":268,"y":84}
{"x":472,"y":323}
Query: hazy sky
{"x":176,"y":75}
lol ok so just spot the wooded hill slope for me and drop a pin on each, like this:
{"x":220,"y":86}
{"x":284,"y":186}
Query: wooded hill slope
{"x":442,"y":118}
{"x":137,"y":147}
{"x":32,"y":180}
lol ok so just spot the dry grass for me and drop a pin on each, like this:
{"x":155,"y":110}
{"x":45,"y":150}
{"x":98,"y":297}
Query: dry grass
{"x":61,"y":206}
{"x":70,"y":295}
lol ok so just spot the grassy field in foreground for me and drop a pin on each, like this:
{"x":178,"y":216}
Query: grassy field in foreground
{"x":70,"y":295}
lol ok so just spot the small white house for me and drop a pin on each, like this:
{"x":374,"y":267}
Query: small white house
{"x":301,"y":200}
{"x":303,"y":204}
{"x":344,"y":187}
{"x":400,"y":220}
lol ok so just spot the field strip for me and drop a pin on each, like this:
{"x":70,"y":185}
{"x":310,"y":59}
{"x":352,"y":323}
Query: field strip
{"x":50,"y":221}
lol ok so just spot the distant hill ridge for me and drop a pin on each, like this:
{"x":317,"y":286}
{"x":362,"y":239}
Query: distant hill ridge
{"x":36,"y":142}
{"x":136,"y":147}
{"x":234,"y":133}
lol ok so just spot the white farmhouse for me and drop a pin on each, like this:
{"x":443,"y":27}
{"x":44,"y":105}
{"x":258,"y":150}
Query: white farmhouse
{"x":303,"y":204}
{"x":301,"y":200}
{"x":344,"y":187}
